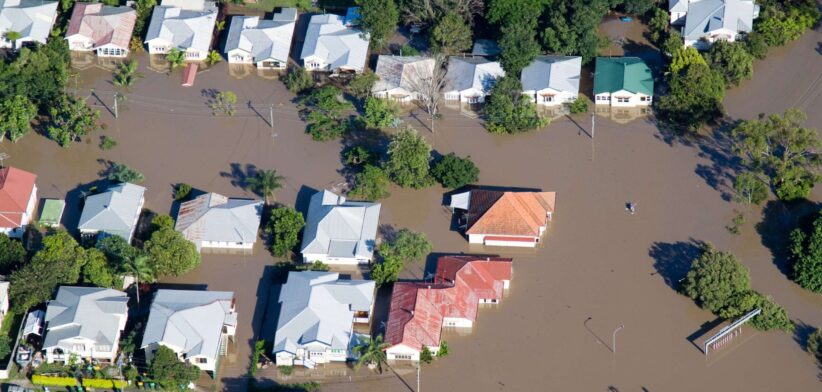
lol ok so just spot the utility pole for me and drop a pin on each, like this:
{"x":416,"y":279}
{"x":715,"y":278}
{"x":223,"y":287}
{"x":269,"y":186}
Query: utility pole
{"x":115,"y":105}
{"x":613,"y":338}
{"x":593,"y":132}
{"x":271,"y":115}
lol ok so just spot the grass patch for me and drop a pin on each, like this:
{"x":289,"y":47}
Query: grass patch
{"x":303,"y":5}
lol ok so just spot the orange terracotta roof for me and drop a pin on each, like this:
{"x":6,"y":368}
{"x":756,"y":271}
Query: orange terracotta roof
{"x":16,"y":187}
{"x":513,"y":213}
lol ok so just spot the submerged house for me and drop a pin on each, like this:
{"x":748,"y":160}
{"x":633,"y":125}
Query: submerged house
{"x":113,"y":212}
{"x":552,"y":80}
{"x":338,"y":231}
{"x":32,"y":19}
{"x":623,"y":82}
{"x":194,"y":324}
{"x":216,"y":221}
{"x":470,"y":79}
{"x":263,"y":42}
{"x":183,"y":24}
{"x":497,"y":218}
{"x":18,"y":198}
{"x":317,"y":314}
{"x":402,"y":77}
{"x":707,"y":21}
{"x":420,"y":310}
{"x":332,"y":46}
{"x":85,"y":322}
{"x":100,"y":28}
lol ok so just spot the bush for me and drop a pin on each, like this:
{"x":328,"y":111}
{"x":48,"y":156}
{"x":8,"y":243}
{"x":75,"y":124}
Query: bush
{"x":12,"y":254}
{"x":5,"y":347}
{"x":370,"y":184}
{"x":54,"y":381}
{"x":454,"y":172}
{"x":755,"y":45}
{"x":107,"y":143}
{"x":815,"y":344}
{"x":284,"y":227}
{"x":297,"y":80}
{"x":360,"y":86}
{"x":444,"y":350}
{"x":379,"y":113}
{"x":425,"y":355}
{"x":285,"y":370}
{"x":105,"y":384}
{"x":408,"y":50}
{"x":580,"y":105}
{"x":805,"y":252}
{"x":122,"y":173}
{"x":359,"y":155}
{"x":182,"y":191}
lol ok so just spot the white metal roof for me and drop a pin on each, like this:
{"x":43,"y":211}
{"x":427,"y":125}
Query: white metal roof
{"x":92,"y":313}
{"x":559,"y":73}
{"x":263,"y":39}
{"x":183,"y":27}
{"x":465,"y":73}
{"x":214,"y":217}
{"x":114,"y":211}
{"x":706,"y":16}
{"x":33,"y":19}
{"x":339,"y":46}
{"x":340,"y":228}
{"x":402,"y":72}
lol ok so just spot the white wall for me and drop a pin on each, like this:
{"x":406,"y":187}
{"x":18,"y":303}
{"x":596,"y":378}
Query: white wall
{"x":80,"y":43}
{"x":613,"y":99}
{"x":559,"y":97}
{"x":480,"y":239}
{"x":226,"y":245}
{"x":457,"y":322}
{"x":312,"y":257}
{"x":239,"y":56}
{"x":313,"y":63}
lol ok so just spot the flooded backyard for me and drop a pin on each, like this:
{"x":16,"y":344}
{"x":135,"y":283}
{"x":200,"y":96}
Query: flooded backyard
{"x":598,"y":268}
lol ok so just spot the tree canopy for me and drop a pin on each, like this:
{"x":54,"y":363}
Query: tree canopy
{"x":379,"y":19}
{"x":409,"y":156}
{"x":379,"y":113}
{"x":16,"y":114}
{"x":805,"y":251}
{"x":508,"y":111}
{"x":284,"y":227}
{"x":370,"y":184}
{"x":694,"y":98}
{"x":59,"y":261}
{"x":12,"y":254}
{"x":323,"y":110}
{"x":170,"y":372}
{"x":716,"y":277}
{"x":453,"y":172}
{"x":732,"y":60}
{"x":170,"y":254}
{"x":451,"y":34}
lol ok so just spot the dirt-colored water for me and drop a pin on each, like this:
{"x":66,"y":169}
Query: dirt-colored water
{"x":597,"y":262}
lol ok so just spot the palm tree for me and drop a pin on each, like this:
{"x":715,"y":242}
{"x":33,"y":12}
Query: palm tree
{"x":175,"y":58}
{"x":265,"y":183}
{"x":12,"y":36}
{"x":213,"y":57}
{"x":126,"y":74}
{"x":138,"y":267}
{"x":371,"y":352}
{"x":220,"y":25}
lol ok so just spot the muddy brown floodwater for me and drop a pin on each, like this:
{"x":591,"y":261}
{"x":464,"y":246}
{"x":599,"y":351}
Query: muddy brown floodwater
{"x":597,"y":264}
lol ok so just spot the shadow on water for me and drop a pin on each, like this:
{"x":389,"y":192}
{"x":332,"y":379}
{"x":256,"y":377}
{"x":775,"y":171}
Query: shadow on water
{"x":703,"y":329}
{"x":802,"y":332}
{"x":239,"y":174}
{"x":778,"y":220}
{"x":75,"y":200}
{"x":673,"y":260}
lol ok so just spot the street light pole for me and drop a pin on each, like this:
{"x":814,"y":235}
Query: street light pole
{"x":613,"y":340}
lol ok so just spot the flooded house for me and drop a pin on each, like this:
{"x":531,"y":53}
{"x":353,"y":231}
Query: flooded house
{"x":318,"y":311}
{"x":216,"y":221}
{"x":401,"y":78}
{"x":85,"y":322}
{"x":623,"y":82}
{"x":552,"y":80}
{"x":183,"y":24}
{"x":113,"y":212}
{"x":504,"y":218}
{"x":263,"y":42}
{"x":194,"y":324}
{"x":331,"y":46}
{"x":470,"y":79}
{"x":32,"y":19}
{"x":703,"y":22}
{"x":102,"y":29}
{"x":338,"y":231}
{"x":18,"y":198}
{"x":420,"y":310}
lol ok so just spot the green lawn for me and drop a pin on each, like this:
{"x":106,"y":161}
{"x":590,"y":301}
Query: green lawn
{"x":270,"y":5}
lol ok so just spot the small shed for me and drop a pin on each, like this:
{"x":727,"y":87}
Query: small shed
{"x":52,"y":212}
{"x":189,"y":75}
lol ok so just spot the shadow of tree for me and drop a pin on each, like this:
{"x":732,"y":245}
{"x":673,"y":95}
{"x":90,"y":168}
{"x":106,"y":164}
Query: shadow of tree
{"x":239,"y":174}
{"x":802,"y":332}
{"x":673,"y":260}
{"x":778,"y":220}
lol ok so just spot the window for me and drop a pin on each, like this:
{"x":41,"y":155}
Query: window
{"x":403,"y":356}
{"x":623,"y":99}
{"x":644,"y":99}
{"x":201,"y":360}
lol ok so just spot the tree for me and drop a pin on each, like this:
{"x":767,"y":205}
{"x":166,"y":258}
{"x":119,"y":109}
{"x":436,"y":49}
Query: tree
{"x":59,"y":261}
{"x":379,"y":19}
{"x":12,"y":254}
{"x":694,"y":97}
{"x":5,"y":347}
{"x":715,"y":278}
{"x":508,"y":111}
{"x":175,"y":58}
{"x":815,"y":344}
{"x":138,"y":266}
{"x":409,"y":155}
{"x":16,"y":114}
{"x":182,"y":191}
{"x":370,"y":184}
{"x":507,"y":12}
{"x":772,"y":316}
{"x":684,"y":58}
{"x":732,"y":60}
{"x":116,"y":249}
{"x":97,"y":272}
{"x":71,"y":119}
{"x":658,"y":25}
{"x":755,"y":45}
{"x":265,"y":183}
{"x":144,"y":8}
{"x":805,"y":253}
{"x":323,"y":110}
{"x":387,"y":271}
{"x":672,"y":44}
{"x":782,"y":22}
{"x":750,"y":188}
{"x":444,"y":350}
{"x":167,"y":369}
{"x":454,"y":172}
{"x":783,"y":150}
{"x":371,"y":351}
{"x":571,"y":27}
{"x":360,"y":85}
{"x":359,"y":156}
{"x":426,"y":356}
{"x":425,"y":13}
{"x":427,"y":83}
{"x":297,"y":79}
{"x":213,"y":57}
{"x":451,"y":35}
{"x":12,"y":36}
{"x":126,"y":74}
{"x":379,"y":113}
{"x":224,"y":103}
{"x":518,"y":46}
{"x":170,"y":254}
{"x":107,"y":143}
{"x":161,"y":221}
{"x":638,"y":7}
{"x":580,"y":105}
{"x":120,"y":172}
{"x":406,"y":246}
{"x":284,"y":228}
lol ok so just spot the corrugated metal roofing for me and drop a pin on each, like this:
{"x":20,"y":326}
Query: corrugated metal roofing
{"x":333,"y":220}
{"x":102,"y":24}
{"x":623,"y":73}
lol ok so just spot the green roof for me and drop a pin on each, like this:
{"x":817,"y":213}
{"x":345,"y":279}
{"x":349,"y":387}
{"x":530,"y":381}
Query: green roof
{"x":623,"y":73}
{"x":52,"y":212}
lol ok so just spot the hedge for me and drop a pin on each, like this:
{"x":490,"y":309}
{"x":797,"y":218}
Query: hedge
{"x":100,"y":383}
{"x":103,"y":383}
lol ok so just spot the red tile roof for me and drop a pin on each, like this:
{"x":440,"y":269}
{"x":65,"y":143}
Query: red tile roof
{"x":16,"y":187}
{"x":509,"y":213}
{"x":417,"y":309}
{"x":109,"y":25}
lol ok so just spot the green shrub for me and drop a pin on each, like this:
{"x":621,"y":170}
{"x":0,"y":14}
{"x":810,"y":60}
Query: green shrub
{"x":182,"y":191}
{"x":425,"y":355}
{"x":103,"y":383}
{"x":580,"y":105}
{"x":297,"y":80}
{"x":53,"y":381}
{"x":454,"y":172}
{"x":285,"y":370}
{"x":107,"y":143}
{"x":815,"y":344}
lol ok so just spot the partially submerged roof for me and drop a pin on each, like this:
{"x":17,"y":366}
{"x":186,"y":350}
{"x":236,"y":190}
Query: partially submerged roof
{"x":184,"y":28}
{"x":214,"y":217}
{"x":319,"y":307}
{"x":92,"y":313}
{"x":509,"y":213}
{"x":190,"y":320}
{"x":33,"y":19}
{"x":466,"y":73}
{"x":114,"y":211}
{"x":340,"y":228}
{"x":485,"y":47}
{"x":263,"y":39}
{"x":16,"y":188}
{"x":706,"y":16}
{"x":623,"y":73}
{"x":560,"y":73}
{"x":102,"y":24}
{"x":329,"y":39}
{"x":406,"y":72}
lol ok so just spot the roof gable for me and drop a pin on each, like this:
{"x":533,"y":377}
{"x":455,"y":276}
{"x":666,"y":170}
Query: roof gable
{"x":103,"y":25}
{"x":509,"y":213}
{"x":334,"y":221}
{"x":623,"y":73}
{"x":214,"y":217}
{"x":91,"y":313}
{"x":560,"y":73}
{"x":16,"y":188}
